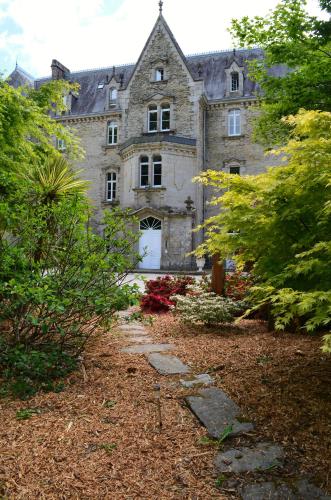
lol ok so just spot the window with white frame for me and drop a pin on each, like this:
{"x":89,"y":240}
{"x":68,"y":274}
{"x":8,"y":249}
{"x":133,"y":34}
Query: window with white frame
{"x":111,"y":186}
{"x":112,"y":97}
{"x":159,"y":74}
{"x":234,"y":82}
{"x":152,"y":118}
{"x":144,"y":171}
{"x":112,"y":133}
{"x":61,"y":145}
{"x":234,"y":126}
{"x":165,"y":117}
{"x":157,"y":171}
{"x":159,"y":118}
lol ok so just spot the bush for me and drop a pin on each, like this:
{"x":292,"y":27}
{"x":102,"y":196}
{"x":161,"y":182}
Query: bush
{"x":59,"y":282}
{"x":237,"y":285}
{"x":26,"y":371}
{"x":161,"y":290}
{"x":207,"y":308}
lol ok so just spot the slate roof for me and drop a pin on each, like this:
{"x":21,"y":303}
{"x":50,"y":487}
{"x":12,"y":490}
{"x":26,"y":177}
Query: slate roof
{"x":209,"y":67}
{"x":148,"y":139}
{"x":19,"y":77}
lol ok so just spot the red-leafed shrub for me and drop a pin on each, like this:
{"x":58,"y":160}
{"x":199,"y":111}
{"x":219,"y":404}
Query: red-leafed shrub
{"x":237,"y":285}
{"x":155,"y":303}
{"x":159,"y":292}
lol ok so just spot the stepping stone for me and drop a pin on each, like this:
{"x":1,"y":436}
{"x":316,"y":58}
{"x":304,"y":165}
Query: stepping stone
{"x":308,"y":491}
{"x":130,"y":327}
{"x":138,"y":333}
{"x":137,"y":339}
{"x":202,"y":379}
{"x":146,"y":348}
{"x":267,"y":491}
{"x":298,"y":490}
{"x":216,"y":411}
{"x":167,"y":364}
{"x":263,"y":457}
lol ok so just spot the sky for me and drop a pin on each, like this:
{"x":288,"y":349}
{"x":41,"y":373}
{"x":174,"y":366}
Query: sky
{"x":85,"y":34}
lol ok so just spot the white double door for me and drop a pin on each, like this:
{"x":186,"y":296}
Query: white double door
{"x":150,"y":248}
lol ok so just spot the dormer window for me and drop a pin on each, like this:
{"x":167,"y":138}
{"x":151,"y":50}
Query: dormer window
{"x":152,"y":118}
{"x":112,"y":97}
{"x":61,"y":145}
{"x":112,"y":133}
{"x":159,"y":74}
{"x":234,"y":82}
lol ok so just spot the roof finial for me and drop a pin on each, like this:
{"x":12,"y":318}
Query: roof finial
{"x":160,"y":6}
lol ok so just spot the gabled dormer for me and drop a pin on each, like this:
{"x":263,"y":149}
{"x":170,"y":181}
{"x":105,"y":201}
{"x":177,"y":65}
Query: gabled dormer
{"x":112,"y":92}
{"x":161,"y":93}
{"x":234,"y":80}
{"x":160,"y":48}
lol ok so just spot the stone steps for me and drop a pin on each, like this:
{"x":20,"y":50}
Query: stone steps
{"x":221,"y":417}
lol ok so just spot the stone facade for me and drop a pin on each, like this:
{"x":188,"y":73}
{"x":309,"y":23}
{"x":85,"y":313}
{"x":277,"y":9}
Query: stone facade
{"x":149,"y":128}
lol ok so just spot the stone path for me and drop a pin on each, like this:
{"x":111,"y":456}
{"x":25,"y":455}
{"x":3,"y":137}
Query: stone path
{"x":218,"y":413}
{"x":222,"y":418}
{"x":167,"y":365}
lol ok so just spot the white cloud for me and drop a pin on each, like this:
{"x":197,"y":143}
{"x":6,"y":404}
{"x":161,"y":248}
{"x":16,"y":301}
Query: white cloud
{"x":77,"y":33}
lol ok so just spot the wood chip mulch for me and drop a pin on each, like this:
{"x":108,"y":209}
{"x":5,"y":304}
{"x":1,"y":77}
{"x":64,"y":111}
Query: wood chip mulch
{"x":101,"y":438}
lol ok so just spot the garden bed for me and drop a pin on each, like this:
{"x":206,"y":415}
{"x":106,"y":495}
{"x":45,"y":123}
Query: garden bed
{"x":100,"y":438}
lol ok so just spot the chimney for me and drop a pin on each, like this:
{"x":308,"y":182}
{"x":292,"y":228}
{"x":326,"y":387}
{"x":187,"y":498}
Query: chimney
{"x":58,"y":70}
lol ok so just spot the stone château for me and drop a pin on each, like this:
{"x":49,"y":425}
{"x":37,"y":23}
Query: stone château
{"x":149,"y":128}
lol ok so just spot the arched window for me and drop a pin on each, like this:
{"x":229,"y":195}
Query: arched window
{"x":234,"y":82}
{"x":150,"y":223}
{"x":152,"y":118}
{"x":165,"y":117}
{"x":112,"y":133}
{"x":234,"y":127}
{"x":144,"y":174}
{"x":157,"y":171}
{"x":234,"y":169}
{"x":111,"y":186}
{"x":112,"y":97}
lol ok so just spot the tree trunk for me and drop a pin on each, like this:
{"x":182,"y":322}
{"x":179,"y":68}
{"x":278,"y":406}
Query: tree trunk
{"x":218,"y":275}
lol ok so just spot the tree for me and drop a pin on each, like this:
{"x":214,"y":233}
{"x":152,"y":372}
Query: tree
{"x":288,"y":36}
{"x":280,"y":223}
{"x":27,"y":139}
{"x":59,"y":281}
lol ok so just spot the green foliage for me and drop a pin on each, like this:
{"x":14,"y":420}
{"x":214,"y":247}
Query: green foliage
{"x":26,"y":371}
{"x":108,"y":447}
{"x":59,"y":281}
{"x":289,"y":36}
{"x":225,"y":434}
{"x":203,"y":307}
{"x":110,"y":403}
{"x":220,"y":481}
{"x":62,"y":293}
{"x":52,"y":180}
{"x":26,"y":413}
{"x":280,"y":223}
